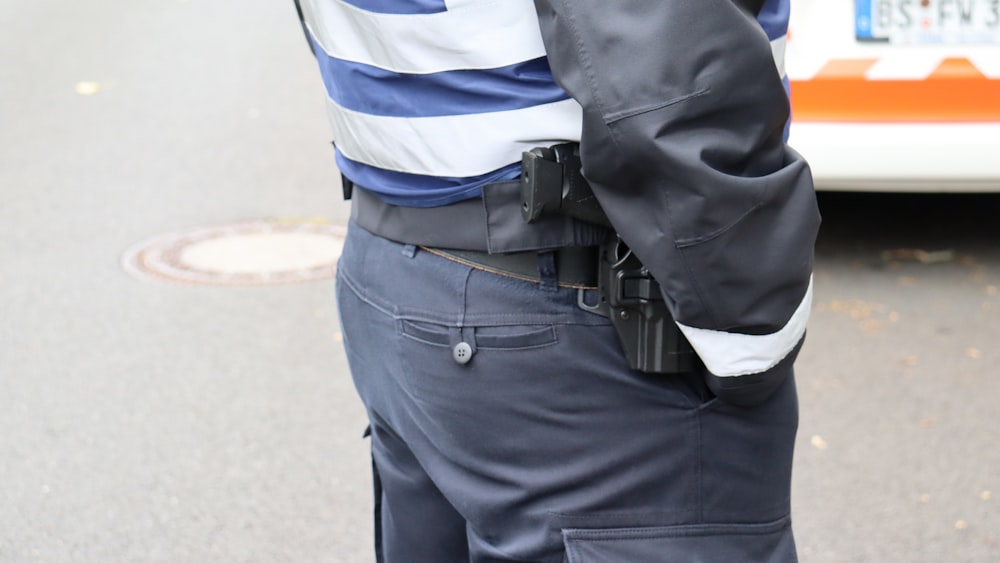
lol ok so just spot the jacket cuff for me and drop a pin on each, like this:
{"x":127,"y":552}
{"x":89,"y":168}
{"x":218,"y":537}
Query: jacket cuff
{"x":753,"y":389}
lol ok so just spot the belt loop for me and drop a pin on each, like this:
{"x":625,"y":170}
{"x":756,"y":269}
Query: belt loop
{"x":347,"y":186}
{"x":547,"y":274}
{"x":409,"y":250}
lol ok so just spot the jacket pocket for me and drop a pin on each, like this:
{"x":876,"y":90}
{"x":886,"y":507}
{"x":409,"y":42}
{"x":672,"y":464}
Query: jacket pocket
{"x":771,"y":542}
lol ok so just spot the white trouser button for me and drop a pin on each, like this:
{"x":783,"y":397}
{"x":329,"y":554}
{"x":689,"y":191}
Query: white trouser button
{"x":462,"y":352}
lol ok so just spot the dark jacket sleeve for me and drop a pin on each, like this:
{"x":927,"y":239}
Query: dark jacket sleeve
{"x":684,"y":113}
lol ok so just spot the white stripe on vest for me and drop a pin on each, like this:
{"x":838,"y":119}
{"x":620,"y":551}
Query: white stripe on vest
{"x":478,"y":35}
{"x":460,"y":146}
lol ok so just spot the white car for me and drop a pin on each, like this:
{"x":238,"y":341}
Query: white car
{"x":897,"y":95}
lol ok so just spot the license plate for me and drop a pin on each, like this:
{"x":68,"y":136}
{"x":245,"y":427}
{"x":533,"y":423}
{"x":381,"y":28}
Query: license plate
{"x":947,"y":22}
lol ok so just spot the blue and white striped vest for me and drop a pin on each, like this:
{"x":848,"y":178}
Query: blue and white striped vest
{"x":429,"y":100}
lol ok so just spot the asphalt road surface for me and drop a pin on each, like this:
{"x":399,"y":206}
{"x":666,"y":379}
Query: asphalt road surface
{"x":149,"y":420}
{"x":897,"y":456}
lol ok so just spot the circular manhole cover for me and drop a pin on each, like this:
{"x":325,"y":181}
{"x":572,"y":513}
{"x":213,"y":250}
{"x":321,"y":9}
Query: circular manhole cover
{"x":253,"y":253}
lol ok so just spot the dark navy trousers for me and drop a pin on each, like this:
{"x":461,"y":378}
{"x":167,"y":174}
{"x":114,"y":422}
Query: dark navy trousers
{"x":507,"y":426}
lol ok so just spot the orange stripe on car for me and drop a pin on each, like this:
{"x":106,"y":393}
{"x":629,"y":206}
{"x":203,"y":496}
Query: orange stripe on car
{"x":956,"y":91}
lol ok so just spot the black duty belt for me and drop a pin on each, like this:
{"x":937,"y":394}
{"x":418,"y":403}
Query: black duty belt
{"x":492,"y":224}
{"x":490,"y":234}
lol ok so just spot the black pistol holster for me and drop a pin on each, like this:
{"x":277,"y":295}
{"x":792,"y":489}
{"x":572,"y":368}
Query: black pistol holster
{"x":552,"y":182}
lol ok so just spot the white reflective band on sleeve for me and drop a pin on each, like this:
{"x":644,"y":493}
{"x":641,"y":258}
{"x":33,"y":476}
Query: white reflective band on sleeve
{"x":729,"y":355}
{"x":488,"y":35}
{"x":778,"y":47}
{"x":495,"y":139}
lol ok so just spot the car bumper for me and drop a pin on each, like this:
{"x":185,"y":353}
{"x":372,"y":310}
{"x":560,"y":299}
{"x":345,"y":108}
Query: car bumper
{"x":926,"y":157}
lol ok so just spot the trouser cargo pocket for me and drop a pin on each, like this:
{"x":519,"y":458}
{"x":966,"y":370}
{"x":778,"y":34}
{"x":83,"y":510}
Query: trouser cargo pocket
{"x":709,"y":543}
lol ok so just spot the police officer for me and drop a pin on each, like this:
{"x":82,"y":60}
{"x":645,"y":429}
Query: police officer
{"x":513,"y":417}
